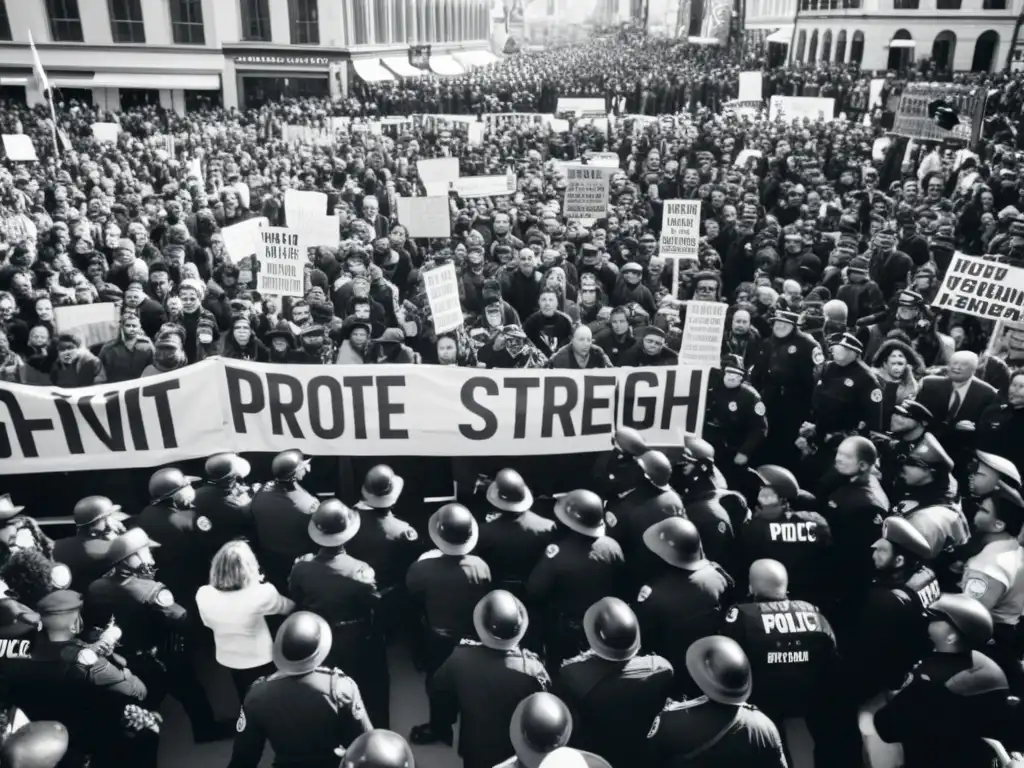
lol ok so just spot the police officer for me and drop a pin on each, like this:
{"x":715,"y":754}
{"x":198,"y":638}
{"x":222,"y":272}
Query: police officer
{"x":154,"y":630}
{"x":387,"y":544}
{"x":17,"y":629}
{"x":541,"y":727}
{"x":35,"y":745}
{"x":82,"y":689}
{"x":342,"y":590}
{"x":171,"y":520}
{"x":98,"y":521}
{"x":799,"y":540}
{"x":513,"y":537}
{"x":305,"y":710}
{"x":989,"y":473}
{"x":446,"y":583}
{"x":908,"y":426}
{"x":281,"y":511}
{"x":614,"y":692}
{"x":379,"y":748}
{"x":954,"y":697}
{"x":650,"y":501}
{"x":616,"y":472}
{"x":225,"y":501}
{"x":735,"y":423}
{"x":482,"y":682}
{"x":719,"y":728}
{"x":584,"y":566}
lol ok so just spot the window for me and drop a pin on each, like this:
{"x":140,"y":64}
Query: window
{"x":986,"y":5}
{"x":906,"y":5}
{"x":187,"y":22}
{"x":305,"y":21}
{"x":126,"y":21}
{"x":255,"y":20}
{"x":947,"y":5}
{"x":5,"y":23}
{"x":65,"y":21}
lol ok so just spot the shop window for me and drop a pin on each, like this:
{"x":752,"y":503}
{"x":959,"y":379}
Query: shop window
{"x":5,"y":22}
{"x":65,"y":21}
{"x":203,"y":101}
{"x":256,"y":20}
{"x":947,"y":5}
{"x":987,"y":5}
{"x":133,"y":98}
{"x":126,"y":25}
{"x":187,"y":22}
{"x":906,"y":5}
{"x":258,"y":91}
{"x":81,"y":96}
{"x":12,"y":94}
{"x":305,"y":22}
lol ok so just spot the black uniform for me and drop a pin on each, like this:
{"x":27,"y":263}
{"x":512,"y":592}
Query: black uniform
{"x":793,"y":539}
{"x":85,"y":555}
{"x":679,"y":607}
{"x":705,"y":510}
{"x":281,"y":513}
{"x":854,"y":512}
{"x":847,"y":399}
{"x":229,"y":512}
{"x":483,"y":686}
{"x":512,"y":544}
{"x":891,"y":456}
{"x":682,"y":734}
{"x":627,"y":517}
{"x":342,"y":591}
{"x":735,"y":422}
{"x":181,"y":557}
{"x":572,"y":576}
{"x":305,"y":718}
{"x":613,"y":703}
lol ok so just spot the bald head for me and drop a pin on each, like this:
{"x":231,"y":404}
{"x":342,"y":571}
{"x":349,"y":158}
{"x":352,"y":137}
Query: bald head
{"x":768,"y":578}
{"x":962,"y":366}
{"x":836,"y":311}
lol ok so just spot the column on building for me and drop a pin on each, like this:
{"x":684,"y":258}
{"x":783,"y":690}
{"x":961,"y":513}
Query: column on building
{"x":389,"y":23}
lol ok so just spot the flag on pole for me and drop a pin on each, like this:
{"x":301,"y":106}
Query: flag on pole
{"x":37,"y":67}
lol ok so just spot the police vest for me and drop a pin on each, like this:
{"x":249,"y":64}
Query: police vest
{"x":785,"y":630}
{"x":793,"y":531}
{"x":922,"y":587}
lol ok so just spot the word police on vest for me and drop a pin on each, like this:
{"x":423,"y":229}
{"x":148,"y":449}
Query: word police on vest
{"x":791,"y":622}
{"x":15,"y":649}
{"x":793,"y":532}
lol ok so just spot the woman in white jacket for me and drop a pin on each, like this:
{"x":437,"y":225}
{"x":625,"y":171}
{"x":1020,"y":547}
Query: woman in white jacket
{"x":234,"y":606}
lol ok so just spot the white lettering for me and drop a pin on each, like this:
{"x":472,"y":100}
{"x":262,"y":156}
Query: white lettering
{"x":790,"y":622}
{"x":929,"y":593}
{"x":15,"y":649}
{"x":793,"y":532}
{"x":789,"y":657}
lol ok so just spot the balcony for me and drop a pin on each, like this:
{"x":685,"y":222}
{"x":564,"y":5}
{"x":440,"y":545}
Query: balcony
{"x":952,"y":9}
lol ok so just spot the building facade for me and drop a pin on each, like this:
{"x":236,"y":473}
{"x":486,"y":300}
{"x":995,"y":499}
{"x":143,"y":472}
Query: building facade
{"x":186,"y":53}
{"x":957,"y":35}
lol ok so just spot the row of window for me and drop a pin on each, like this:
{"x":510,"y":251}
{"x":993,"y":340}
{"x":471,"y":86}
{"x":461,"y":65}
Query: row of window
{"x":303,"y":14}
{"x":856,"y":47}
{"x":898,"y":5}
{"x":426,"y":21}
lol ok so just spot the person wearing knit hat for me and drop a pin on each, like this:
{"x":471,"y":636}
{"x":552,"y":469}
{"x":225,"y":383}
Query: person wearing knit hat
{"x":650,"y":349}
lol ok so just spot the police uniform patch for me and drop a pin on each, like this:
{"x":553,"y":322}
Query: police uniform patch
{"x":817,"y":356}
{"x":654,"y":727}
{"x":492,"y":517}
{"x":833,"y":504}
{"x":313,"y":507}
{"x":60,"y":576}
{"x":551,"y":551}
{"x":732,"y":615}
{"x":645,"y":592}
{"x":611,"y":519}
{"x":203,"y":524}
{"x":733,"y":406}
{"x":876,"y":396}
{"x":365,"y":575}
{"x":975,"y":588}
{"x":792,"y":349}
{"x":240,"y":724}
{"x":87,"y":657}
{"x":304,"y":558}
{"x":848,"y":382}
{"x":164,"y":598}
{"x":411,"y":535}
{"x":722,"y":527}
{"x":759,"y":409}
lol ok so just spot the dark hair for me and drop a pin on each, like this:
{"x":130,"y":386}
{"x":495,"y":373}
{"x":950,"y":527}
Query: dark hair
{"x":1009,"y":513}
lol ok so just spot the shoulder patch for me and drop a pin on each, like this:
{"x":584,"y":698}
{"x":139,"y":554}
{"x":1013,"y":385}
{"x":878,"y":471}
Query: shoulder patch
{"x":240,"y":723}
{"x":313,"y":507}
{"x":304,"y":558}
{"x":645,"y":592}
{"x":431,"y":555}
{"x":732,"y":615}
{"x":492,"y":517}
{"x":759,"y":409}
{"x":817,"y":356}
{"x":975,"y":588}
{"x":611,"y":519}
{"x":578,"y":658}
{"x":87,"y":657}
{"x":60,"y":576}
{"x":410,"y":534}
{"x":164,"y":598}
{"x":467,"y":641}
{"x":551,"y":551}
{"x":365,"y":575}
{"x":876,"y":395}
{"x":654,"y":727}
{"x":732,"y":406}
{"x":722,"y":527}
{"x":203,"y":523}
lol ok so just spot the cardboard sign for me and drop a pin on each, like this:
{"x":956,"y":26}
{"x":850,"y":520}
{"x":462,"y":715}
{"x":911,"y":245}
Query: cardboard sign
{"x":476,"y":134}
{"x":19,"y":148}
{"x":791,"y":108}
{"x":912,"y":120}
{"x":751,"y":85}
{"x":440,"y":169}
{"x":301,"y":206}
{"x":581,"y":107}
{"x":104,"y":132}
{"x":680,"y":230}
{"x":442,"y":287}
{"x":486,"y":186}
{"x":603,"y":160}
{"x":279,"y":270}
{"x":95,"y":323}
{"x":323,"y":230}
{"x":242,"y":240}
{"x":425,"y":216}
{"x":702,"y":334}
{"x":982,"y":288}
{"x":586,"y":192}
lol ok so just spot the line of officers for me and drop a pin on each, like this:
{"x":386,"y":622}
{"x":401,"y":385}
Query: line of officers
{"x":690,"y":568}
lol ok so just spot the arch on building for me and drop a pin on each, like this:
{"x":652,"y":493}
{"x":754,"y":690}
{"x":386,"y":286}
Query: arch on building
{"x":985,"y":51}
{"x":801,"y":45}
{"x":826,"y":46}
{"x":901,"y":50}
{"x":857,"y":48}
{"x":841,"y":47}
{"x":812,"y":49}
{"x":944,"y":50}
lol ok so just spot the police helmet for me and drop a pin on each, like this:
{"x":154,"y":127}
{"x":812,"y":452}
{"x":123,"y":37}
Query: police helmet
{"x":454,"y":530}
{"x":899,"y":532}
{"x":302,"y":643}
{"x":676,"y":541}
{"x":541,"y":723}
{"x":500,"y":620}
{"x":581,"y":511}
{"x":166,"y":482}
{"x":656,"y":468}
{"x":287,"y":463}
{"x":970,"y":617}
{"x":630,"y":442}
{"x":222,"y":467}
{"x":92,"y":509}
{"x":35,"y":745}
{"x":509,"y":493}
{"x":612,"y":629}
{"x":720,"y":669}
{"x":129,"y":543}
{"x":333,"y":524}
{"x":379,"y":749}
{"x":780,"y":480}
{"x":382,"y":487}
{"x":699,"y":449}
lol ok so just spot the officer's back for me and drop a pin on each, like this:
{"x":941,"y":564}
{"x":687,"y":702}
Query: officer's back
{"x":225,"y":502}
{"x":281,"y":512}
{"x":335,"y":586}
{"x":98,"y":521}
{"x":385,"y":543}
{"x":576,"y":573}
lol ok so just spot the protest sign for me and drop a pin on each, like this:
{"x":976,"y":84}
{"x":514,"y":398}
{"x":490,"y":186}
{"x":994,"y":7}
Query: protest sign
{"x":442,"y":286}
{"x":912,"y":119}
{"x":322,"y":230}
{"x":988,"y":289}
{"x":558,"y":125}
{"x":790,"y":108}
{"x":19,"y":148}
{"x":385,"y":410}
{"x":425,"y":216}
{"x":581,"y":107}
{"x":603,"y":160}
{"x":476,"y":134}
{"x":702,"y":334}
{"x":875,"y":92}
{"x":301,"y":205}
{"x":751,"y":87}
{"x":486,"y":186}
{"x":95,"y":323}
{"x":242,"y":240}
{"x":279,"y":270}
{"x":586,"y":192}
{"x":680,"y":232}
{"x":106,"y":132}
{"x":440,"y":169}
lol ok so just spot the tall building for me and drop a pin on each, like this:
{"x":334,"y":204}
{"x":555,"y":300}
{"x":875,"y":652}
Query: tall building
{"x":182,"y":53}
{"x":958,"y":35}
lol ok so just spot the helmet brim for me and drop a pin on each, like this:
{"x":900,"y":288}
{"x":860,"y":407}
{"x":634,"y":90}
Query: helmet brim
{"x":598,"y":646}
{"x":388,"y":501}
{"x":454,"y":550}
{"x":307,"y":665}
{"x":508,"y":506}
{"x":696,"y":665}
{"x":334,"y":539}
{"x":574,"y":525}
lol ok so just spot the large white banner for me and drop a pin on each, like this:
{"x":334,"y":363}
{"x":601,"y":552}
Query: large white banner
{"x":988,"y":289}
{"x":790,"y":108}
{"x":376,"y":410}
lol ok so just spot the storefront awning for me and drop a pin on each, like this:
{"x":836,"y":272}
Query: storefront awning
{"x":371,"y":70}
{"x":154,"y":81}
{"x":400,"y":66}
{"x":475,"y":58}
{"x":14,"y":80}
{"x":902,"y":44}
{"x":781,"y":36}
{"x":446,"y":65}
{"x":704,"y":41}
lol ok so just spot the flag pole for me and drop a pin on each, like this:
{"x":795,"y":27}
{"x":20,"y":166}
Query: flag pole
{"x":44,"y":85}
